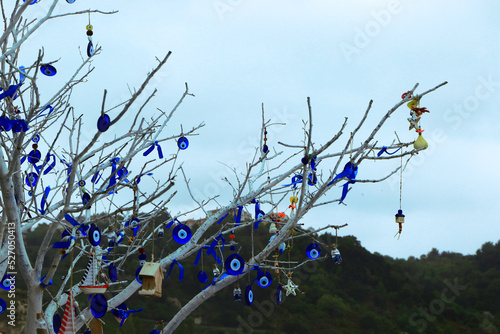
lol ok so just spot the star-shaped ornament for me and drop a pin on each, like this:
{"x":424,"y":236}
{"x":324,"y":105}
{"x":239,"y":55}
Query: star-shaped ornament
{"x":290,"y":287}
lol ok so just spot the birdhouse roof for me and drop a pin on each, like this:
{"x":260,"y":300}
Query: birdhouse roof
{"x":150,"y":269}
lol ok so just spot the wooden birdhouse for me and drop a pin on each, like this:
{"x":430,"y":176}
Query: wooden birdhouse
{"x":400,"y":217}
{"x":152,"y":277}
{"x":96,"y":326}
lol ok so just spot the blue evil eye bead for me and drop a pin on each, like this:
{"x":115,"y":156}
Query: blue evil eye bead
{"x":183,"y":143}
{"x":112,"y":272}
{"x":313,"y":251}
{"x":181,"y":234}
{"x":154,"y":331}
{"x":56,"y":322}
{"x":3,"y":306}
{"x":31,"y":179}
{"x":304,"y":160}
{"x":265,"y":279}
{"x":232,"y":248}
{"x":81,"y":183}
{"x":35,"y":139}
{"x":70,"y":1}
{"x":137,"y":277}
{"x":48,"y":70}
{"x":142,"y":263}
{"x":249,"y":295}
{"x":7,"y":281}
{"x":279,"y":294}
{"x":160,"y":233}
{"x":202,"y":277}
{"x":34,"y":156}
{"x":32,"y":3}
{"x":265,"y":149}
{"x":5,"y":123}
{"x":90,"y":49}
{"x":103,"y":123}
{"x":98,"y":305}
{"x":94,"y":235}
{"x":85,"y":199}
{"x":312,"y":179}
{"x":234,"y":264}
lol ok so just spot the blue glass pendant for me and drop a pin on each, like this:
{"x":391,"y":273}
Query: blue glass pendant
{"x":3,"y":306}
{"x":249,"y":295}
{"x":98,"y":305}
{"x":34,"y":156}
{"x":313,"y":251}
{"x":7,"y":281}
{"x":90,"y":49}
{"x":182,"y":143}
{"x":86,"y":199}
{"x":279,"y":295}
{"x":181,"y":234}
{"x":264,"y":279}
{"x":94,"y":235}
{"x":5,"y":123}
{"x":31,"y":179}
{"x":56,"y":322}
{"x":48,"y":70}
{"x":112,"y":272}
{"x":234,"y":264}
{"x":137,"y":277}
{"x":103,"y":123}
{"x":202,"y":277}
{"x":70,"y":1}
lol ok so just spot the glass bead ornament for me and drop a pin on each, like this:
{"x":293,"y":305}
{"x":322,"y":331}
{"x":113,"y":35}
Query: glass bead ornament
{"x":112,"y":272}
{"x":48,"y":70}
{"x":7,"y":281}
{"x":313,"y":251}
{"x":183,"y":143}
{"x":98,"y":305}
{"x":264,"y":279}
{"x":94,"y":235}
{"x":249,"y":295}
{"x":3,"y":306}
{"x":234,"y":264}
{"x":279,"y":294}
{"x":70,"y":1}
{"x":56,"y":322}
{"x":35,"y":155}
{"x":202,"y":277}
{"x":103,"y":123}
{"x":181,"y":234}
{"x":31,"y":179}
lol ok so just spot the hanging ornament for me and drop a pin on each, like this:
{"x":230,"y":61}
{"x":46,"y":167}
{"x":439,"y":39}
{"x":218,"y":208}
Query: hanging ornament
{"x":313,"y":251}
{"x":237,"y":293}
{"x":35,"y":155}
{"x":234,"y":264}
{"x":142,"y":256}
{"x":31,"y":179}
{"x":272,"y":228}
{"x":215,"y":271}
{"x":181,"y":234}
{"x":48,"y":70}
{"x":279,"y":294}
{"x":420,"y":143}
{"x":290,"y":287}
{"x":70,"y":1}
{"x":265,"y":148}
{"x":202,"y":277}
{"x":112,"y":272}
{"x":337,"y":258}
{"x":94,"y":235}
{"x":56,"y":322}
{"x":103,"y":122}
{"x":90,"y":45}
{"x":98,"y":305}
{"x":264,"y":279}
{"x":182,"y":143}
{"x":121,"y":313}
{"x":400,"y":219}
{"x":249,"y":295}
{"x":7,"y":282}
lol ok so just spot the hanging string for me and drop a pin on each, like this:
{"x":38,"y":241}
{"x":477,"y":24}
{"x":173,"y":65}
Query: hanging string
{"x":72,"y":300}
{"x":401,"y":182}
{"x":153,"y":246}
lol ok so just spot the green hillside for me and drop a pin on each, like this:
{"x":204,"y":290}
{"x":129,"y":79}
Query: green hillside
{"x":368,"y":293}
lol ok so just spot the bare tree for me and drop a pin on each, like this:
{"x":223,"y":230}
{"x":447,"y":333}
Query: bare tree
{"x":73,"y":176}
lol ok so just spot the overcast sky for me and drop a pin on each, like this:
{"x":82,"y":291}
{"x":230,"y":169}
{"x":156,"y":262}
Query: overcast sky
{"x":237,"y":54}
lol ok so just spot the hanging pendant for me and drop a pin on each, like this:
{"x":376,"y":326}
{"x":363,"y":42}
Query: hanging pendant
{"x":420,"y":143}
{"x":103,"y":123}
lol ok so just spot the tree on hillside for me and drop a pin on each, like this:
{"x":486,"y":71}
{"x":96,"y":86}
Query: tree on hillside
{"x":49,"y":173}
